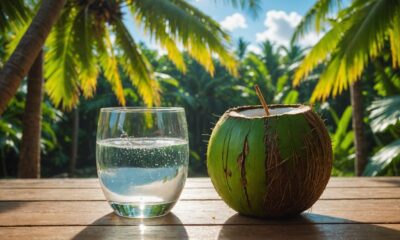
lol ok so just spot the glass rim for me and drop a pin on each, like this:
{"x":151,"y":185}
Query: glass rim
{"x":142,"y":109}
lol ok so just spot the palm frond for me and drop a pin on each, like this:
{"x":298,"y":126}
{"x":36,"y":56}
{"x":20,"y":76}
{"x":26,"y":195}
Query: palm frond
{"x":387,"y":80}
{"x":382,"y":158}
{"x":330,"y":79}
{"x":15,"y":38}
{"x":109,"y":64}
{"x":384,"y":112}
{"x":256,"y":65}
{"x":187,"y":26}
{"x":136,"y":65}
{"x":13,"y":14}
{"x":83,"y":44}
{"x":394,"y":34}
{"x":60,"y":64}
{"x":241,"y":48}
{"x":15,"y":18}
{"x":281,"y":83}
{"x":366,"y":37}
{"x":252,"y":6}
{"x":291,"y":97}
{"x":169,"y":44}
{"x":320,"y":52}
{"x":370,"y":24}
{"x":174,"y":54}
{"x":342,"y":132}
{"x":166,"y":79}
{"x":316,"y":17}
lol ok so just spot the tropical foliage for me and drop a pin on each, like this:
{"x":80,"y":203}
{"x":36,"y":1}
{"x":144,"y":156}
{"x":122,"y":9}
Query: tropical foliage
{"x":11,"y":132}
{"x":91,"y":36}
{"x":81,"y":44}
{"x":353,"y":36}
{"x":360,"y":42}
{"x":92,"y":61}
{"x":204,"y":97}
{"x":13,"y":14}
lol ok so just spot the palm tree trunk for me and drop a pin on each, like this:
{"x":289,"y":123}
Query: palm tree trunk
{"x":29,"y":160}
{"x":27,"y":50}
{"x":359,"y":137}
{"x":74,"y":148}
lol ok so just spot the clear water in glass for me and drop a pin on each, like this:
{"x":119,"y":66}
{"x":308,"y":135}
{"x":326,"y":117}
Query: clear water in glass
{"x":143,"y":176}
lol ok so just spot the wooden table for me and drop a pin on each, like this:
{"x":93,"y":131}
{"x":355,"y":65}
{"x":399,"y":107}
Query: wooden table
{"x":350,"y":208}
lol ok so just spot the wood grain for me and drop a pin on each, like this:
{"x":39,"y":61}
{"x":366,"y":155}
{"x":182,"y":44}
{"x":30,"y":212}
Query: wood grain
{"x":348,"y":182}
{"x":350,"y":208}
{"x":188,"y":194}
{"x":50,"y":213}
{"x":318,"y":231}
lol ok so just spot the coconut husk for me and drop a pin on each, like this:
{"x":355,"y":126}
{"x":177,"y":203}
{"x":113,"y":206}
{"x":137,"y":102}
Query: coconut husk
{"x":270,"y":166}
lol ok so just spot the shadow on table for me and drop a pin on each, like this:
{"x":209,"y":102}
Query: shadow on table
{"x":9,"y":206}
{"x":111,"y":226}
{"x":395,"y":183}
{"x":307,"y":226}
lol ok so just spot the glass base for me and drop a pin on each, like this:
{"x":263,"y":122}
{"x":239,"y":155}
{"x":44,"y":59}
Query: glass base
{"x":142,"y":210}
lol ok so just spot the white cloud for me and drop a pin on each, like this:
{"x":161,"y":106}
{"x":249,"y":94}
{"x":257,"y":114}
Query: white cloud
{"x":254,"y":48}
{"x":280,"y":26}
{"x":233,"y":22}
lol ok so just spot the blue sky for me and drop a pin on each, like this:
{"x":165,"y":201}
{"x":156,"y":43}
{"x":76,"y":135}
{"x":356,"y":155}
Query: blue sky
{"x":275,"y":22}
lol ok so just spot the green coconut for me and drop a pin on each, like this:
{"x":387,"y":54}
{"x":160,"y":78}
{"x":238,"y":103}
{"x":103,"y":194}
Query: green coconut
{"x":270,"y":166}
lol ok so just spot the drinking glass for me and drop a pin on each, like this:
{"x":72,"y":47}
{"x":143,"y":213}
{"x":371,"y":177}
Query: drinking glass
{"x":142,"y":157}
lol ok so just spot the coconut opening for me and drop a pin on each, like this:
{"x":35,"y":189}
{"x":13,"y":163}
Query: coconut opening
{"x":274,"y":111}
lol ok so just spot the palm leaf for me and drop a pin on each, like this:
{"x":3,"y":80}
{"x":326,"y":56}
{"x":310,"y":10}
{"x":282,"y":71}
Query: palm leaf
{"x":241,"y":48}
{"x":256,"y":65}
{"x":252,"y":6}
{"x":281,"y":83}
{"x":366,"y":36}
{"x":333,"y":114}
{"x":394,"y":34}
{"x":60,"y":64}
{"x":291,"y":97}
{"x":382,"y":158}
{"x":83,"y":44}
{"x":387,"y":81}
{"x":167,"y":79}
{"x":316,"y":17}
{"x":15,"y":18}
{"x":169,"y":44}
{"x":370,"y":24}
{"x":15,"y":38}
{"x":187,"y":26}
{"x":136,"y":65}
{"x":384,"y":113}
{"x":320,"y":51}
{"x":13,"y":14}
{"x":342,"y":129}
{"x":109,"y":64}
{"x":174,"y":54}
